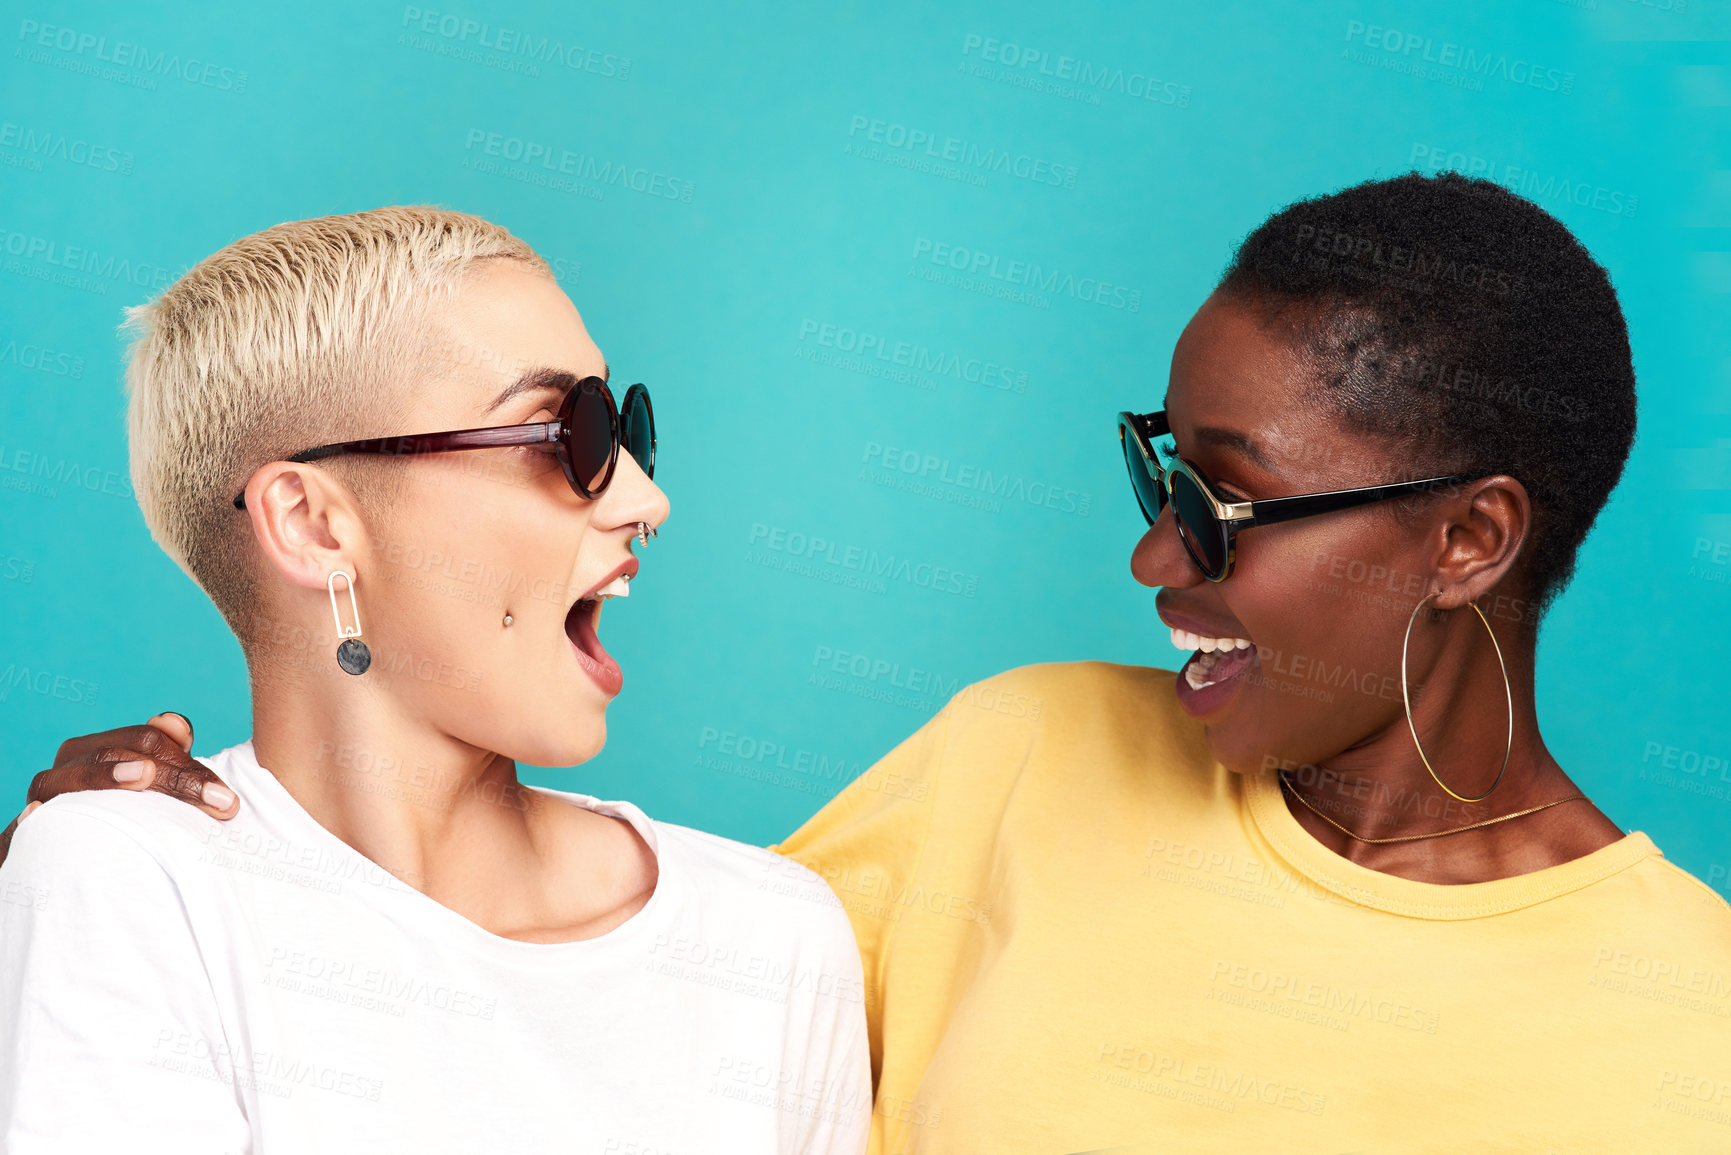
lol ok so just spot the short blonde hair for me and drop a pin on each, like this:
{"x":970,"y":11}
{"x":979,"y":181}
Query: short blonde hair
{"x":292,"y":337}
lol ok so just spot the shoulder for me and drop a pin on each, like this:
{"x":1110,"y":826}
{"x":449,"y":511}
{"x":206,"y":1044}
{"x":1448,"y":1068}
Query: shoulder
{"x":1038,"y":692}
{"x":1053,"y":727}
{"x":1654,"y":922}
{"x":759,"y":887}
{"x":1078,"y":678}
{"x":1066,"y":713}
{"x":1696,"y":904}
{"x":98,"y":832}
{"x":89,"y":860}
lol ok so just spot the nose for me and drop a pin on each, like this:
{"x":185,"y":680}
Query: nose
{"x":1160,"y":558}
{"x":630,"y":498}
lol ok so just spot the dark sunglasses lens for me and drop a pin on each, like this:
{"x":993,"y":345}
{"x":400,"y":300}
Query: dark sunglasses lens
{"x":589,"y":435}
{"x":1202,"y":533}
{"x":639,"y":422}
{"x":1150,"y":494}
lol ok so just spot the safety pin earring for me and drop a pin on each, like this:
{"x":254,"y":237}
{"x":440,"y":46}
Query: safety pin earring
{"x":352,"y":655}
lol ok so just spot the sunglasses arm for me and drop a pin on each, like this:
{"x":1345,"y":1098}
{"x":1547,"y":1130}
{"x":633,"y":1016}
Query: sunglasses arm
{"x":1149,"y":425}
{"x":1278,"y":509}
{"x":492,"y":437}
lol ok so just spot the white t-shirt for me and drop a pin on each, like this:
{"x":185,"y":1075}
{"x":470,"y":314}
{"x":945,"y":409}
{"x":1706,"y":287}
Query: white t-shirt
{"x":173,"y":983}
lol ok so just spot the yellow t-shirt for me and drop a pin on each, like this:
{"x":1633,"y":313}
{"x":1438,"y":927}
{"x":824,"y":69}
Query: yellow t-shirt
{"x":1081,"y":932}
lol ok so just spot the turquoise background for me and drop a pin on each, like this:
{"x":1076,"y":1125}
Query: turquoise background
{"x":225,"y":119}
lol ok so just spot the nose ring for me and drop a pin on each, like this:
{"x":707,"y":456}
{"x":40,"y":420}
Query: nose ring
{"x":645,"y":531}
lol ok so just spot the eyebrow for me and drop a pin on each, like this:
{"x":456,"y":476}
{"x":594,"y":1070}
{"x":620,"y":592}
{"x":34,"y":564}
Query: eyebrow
{"x":543,"y":378}
{"x":1238,"y":442}
{"x":1228,"y":439}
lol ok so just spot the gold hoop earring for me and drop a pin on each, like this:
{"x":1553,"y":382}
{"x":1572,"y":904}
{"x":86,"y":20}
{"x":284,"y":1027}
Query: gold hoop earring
{"x":1406,"y":699}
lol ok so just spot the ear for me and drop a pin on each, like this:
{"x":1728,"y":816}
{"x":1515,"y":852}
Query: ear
{"x":306,"y":522}
{"x":1478,"y":540}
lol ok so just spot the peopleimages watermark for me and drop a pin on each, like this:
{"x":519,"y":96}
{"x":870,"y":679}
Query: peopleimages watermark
{"x":41,"y":358}
{"x":1344,"y":1004}
{"x":1203,"y":1082}
{"x":34,"y":145}
{"x":1374,"y":584}
{"x":126,"y":63}
{"x":550,"y":164}
{"x":268,"y":1072}
{"x":779,"y":763}
{"x":1462,"y":62}
{"x":361,"y":984}
{"x":1487,"y":391}
{"x":881,"y":672}
{"x":291,"y":645}
{"x":995,"y":271}
{"x":23,"y":469}
{"x":395,"y":775}
{"x":1070,"y":77}
{"x":1379,"y":258}
{"x":918,"y":472}
{"x":791,"y":1092}
{"x":933,"y":147}
{"x":813,"y":555}
{"x":880,"y":679}
{"x":762,"y":975}
{"x":46,"y":259}
{"x":1710,"y":552}
{"x":462,"y":32}
{"x":874,"y":354}
{"x":1693,"y":762}
{"x":47,"y":684}
{"x":1525,"y":181}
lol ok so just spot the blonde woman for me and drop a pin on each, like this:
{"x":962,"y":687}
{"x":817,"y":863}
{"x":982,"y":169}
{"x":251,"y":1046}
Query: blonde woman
{"x":394,"y":945}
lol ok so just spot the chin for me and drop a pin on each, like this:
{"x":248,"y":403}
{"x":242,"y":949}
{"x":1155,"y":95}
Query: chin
{"x":577,"y":727}
{"x":1228,"y":745}
{"x":577,"y":739}
{"x":575,"y":749}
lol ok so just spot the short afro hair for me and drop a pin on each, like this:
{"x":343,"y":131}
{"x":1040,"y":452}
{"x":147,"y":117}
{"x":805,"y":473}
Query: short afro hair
{"x":1467,"y":325}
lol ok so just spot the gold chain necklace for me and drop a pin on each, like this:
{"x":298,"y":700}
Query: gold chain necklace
{"x":1415,"y":837}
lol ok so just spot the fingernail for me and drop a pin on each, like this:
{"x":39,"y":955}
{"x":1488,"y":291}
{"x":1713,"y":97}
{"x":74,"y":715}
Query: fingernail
{"x":28,"y":809}
{"x":130,"y":771}
{"x":217,"y":796}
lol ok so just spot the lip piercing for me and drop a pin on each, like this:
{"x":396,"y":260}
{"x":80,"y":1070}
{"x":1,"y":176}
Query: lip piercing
{"x":645,"y":531}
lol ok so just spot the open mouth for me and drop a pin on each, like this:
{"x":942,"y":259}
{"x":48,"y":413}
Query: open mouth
{"x":582,"y":627}
{"x":1213,"y":671}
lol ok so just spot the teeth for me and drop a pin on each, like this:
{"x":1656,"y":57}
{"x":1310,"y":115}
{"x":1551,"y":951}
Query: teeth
{"x":619,"y":587}
{"x":1185,"y":640}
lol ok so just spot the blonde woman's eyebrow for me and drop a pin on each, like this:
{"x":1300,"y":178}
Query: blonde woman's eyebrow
{"x":540,"y":378}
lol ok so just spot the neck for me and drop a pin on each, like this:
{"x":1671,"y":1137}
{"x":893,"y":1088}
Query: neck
{"x":445,"y":817}
{"x":1379,"y":787}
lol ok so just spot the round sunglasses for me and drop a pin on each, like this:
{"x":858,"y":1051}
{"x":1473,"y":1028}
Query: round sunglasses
{"x":586,"y":435}
{"x":1208,"y":524}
